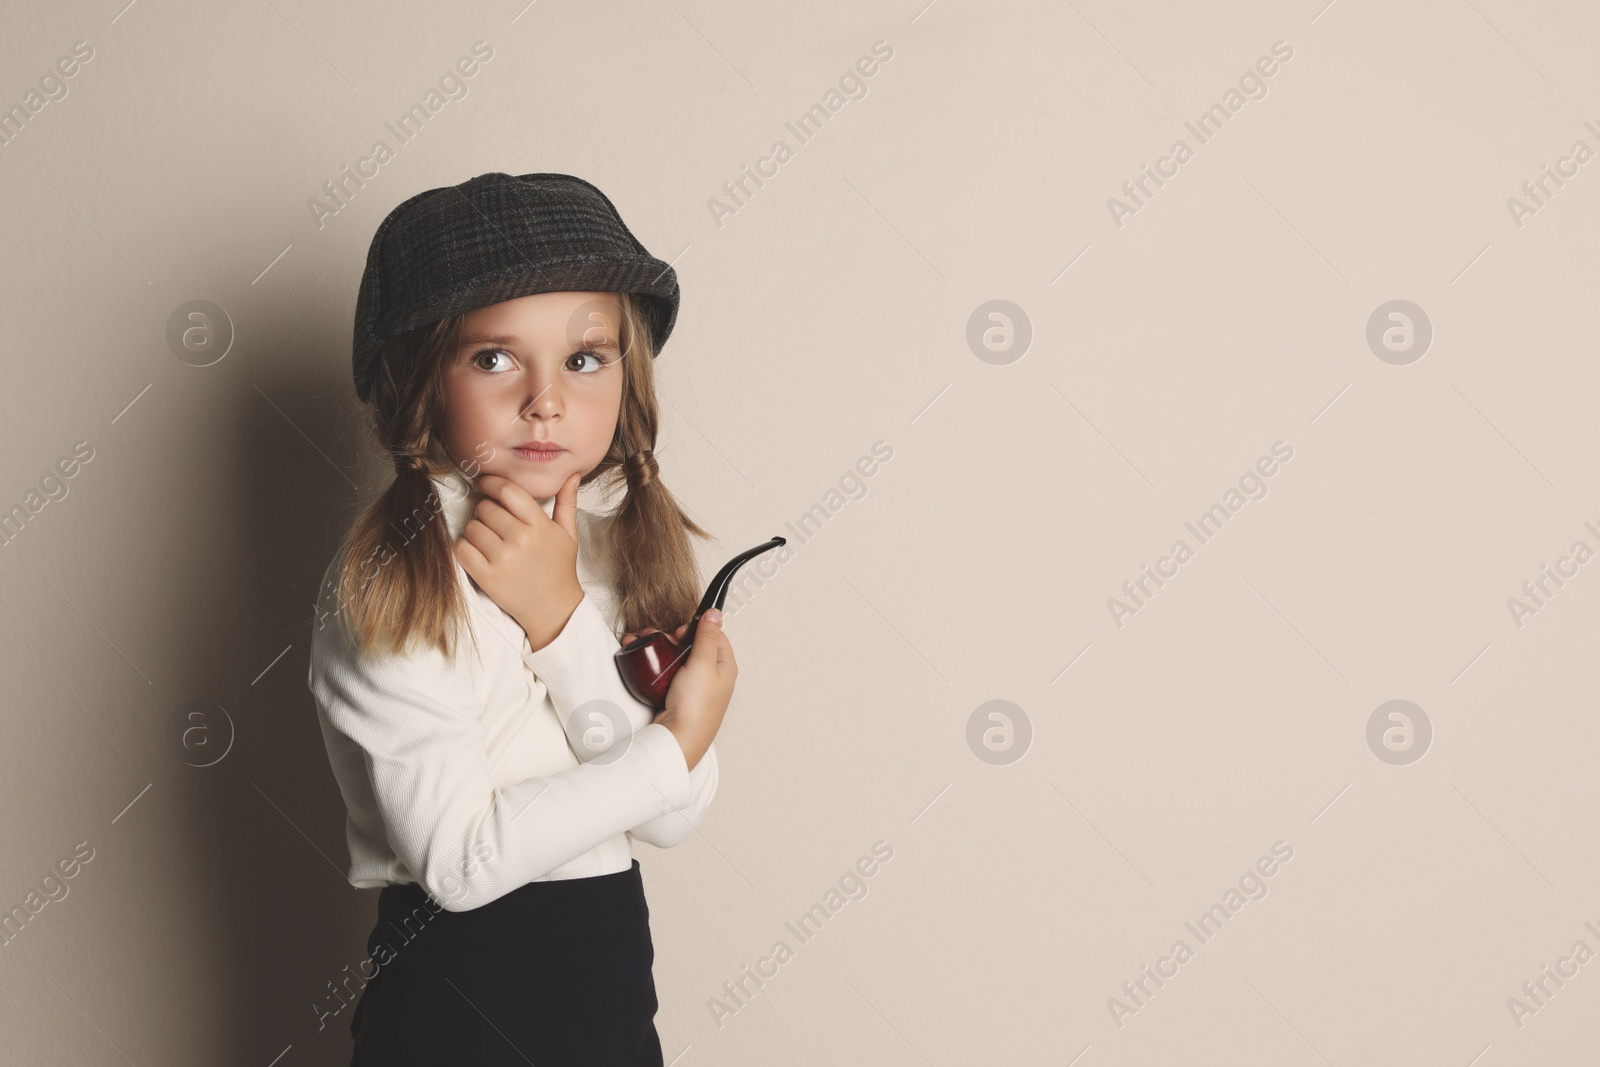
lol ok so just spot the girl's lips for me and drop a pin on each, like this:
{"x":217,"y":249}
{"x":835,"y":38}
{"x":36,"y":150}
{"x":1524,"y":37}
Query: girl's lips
{"x":539,"y":455}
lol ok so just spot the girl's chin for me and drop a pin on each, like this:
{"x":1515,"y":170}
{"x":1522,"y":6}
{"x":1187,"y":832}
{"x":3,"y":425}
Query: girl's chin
{"x":541,"y":486}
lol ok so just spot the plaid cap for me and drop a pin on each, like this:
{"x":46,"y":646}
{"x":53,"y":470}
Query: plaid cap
{"x":497,"y":237}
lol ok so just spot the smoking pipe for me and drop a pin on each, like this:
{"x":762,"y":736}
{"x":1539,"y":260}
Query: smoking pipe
{"x":647,"y":664}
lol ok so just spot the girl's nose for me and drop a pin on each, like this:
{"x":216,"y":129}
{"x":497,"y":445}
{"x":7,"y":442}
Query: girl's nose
{"x":544,"y":397}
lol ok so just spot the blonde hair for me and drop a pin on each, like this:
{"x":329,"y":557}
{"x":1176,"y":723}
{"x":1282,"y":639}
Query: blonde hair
{"x":397,"y":579}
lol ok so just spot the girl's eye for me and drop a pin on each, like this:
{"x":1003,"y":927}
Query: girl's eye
{"x":588,"y":359}
{"x":597,"y":361}
{"x":476,"y":356}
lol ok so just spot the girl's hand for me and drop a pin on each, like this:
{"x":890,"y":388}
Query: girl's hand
{"x":526,"y":561}
{"x":677,"y":635}
{"x":700,"y":691}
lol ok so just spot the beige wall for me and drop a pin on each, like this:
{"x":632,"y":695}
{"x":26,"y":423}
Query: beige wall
{"x":1167,"y":749}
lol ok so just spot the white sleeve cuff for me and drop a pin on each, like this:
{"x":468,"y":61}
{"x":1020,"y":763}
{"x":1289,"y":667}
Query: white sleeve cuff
{"x":578,"y":665}
{"x":661,"y":748}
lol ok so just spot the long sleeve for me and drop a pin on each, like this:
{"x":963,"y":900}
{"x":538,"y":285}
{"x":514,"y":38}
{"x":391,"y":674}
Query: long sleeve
{"x":667,"y":830}
{"x":581,"y":677}
{"x":417,"y":724}
{"x":598,"y":713}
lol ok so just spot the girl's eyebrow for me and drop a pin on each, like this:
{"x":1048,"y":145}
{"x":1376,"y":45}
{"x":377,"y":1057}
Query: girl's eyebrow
{"x":482,"y":339}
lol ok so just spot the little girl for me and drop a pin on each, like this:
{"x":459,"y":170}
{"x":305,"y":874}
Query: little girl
{"x":494,"y":767}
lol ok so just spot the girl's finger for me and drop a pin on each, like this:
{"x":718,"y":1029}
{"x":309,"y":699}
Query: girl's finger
{"x":635,"y":636}
{"x":496,"y":516}
{"x":478,"y":536}
{"x":710,"y":633}
{"x":472,"y":560}
{"x":565,"y":512}
{"x":511,"y":496}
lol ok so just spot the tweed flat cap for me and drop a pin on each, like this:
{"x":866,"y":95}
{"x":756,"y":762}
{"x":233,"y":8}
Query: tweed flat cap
{"x":497,"y":237}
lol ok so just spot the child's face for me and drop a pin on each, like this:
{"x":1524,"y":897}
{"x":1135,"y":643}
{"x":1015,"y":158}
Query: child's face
{"x":545,"y":368}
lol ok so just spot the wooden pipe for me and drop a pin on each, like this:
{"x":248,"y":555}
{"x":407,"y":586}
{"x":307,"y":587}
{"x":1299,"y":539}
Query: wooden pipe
{"x":647,"y":663}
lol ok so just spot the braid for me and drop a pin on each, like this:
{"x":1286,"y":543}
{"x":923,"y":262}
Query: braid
{"x":407,"y":460}
{"x":640,"y":469}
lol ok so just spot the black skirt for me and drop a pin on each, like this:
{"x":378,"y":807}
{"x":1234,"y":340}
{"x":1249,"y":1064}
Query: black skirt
{"x":554,"y":974}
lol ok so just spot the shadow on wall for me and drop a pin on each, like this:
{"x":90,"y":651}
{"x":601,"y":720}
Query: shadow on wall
{"x":266,"y":820}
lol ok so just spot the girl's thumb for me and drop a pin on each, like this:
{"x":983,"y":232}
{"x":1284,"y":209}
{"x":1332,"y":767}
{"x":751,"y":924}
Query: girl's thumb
{"x":706,"y":629}
{"x":565,"y":512}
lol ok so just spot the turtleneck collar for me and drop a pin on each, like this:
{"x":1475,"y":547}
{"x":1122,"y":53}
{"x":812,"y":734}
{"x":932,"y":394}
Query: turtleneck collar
{"x":459,"y":497}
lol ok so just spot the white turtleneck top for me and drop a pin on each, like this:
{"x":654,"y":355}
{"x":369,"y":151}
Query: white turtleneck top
{"x":475,"y":774}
